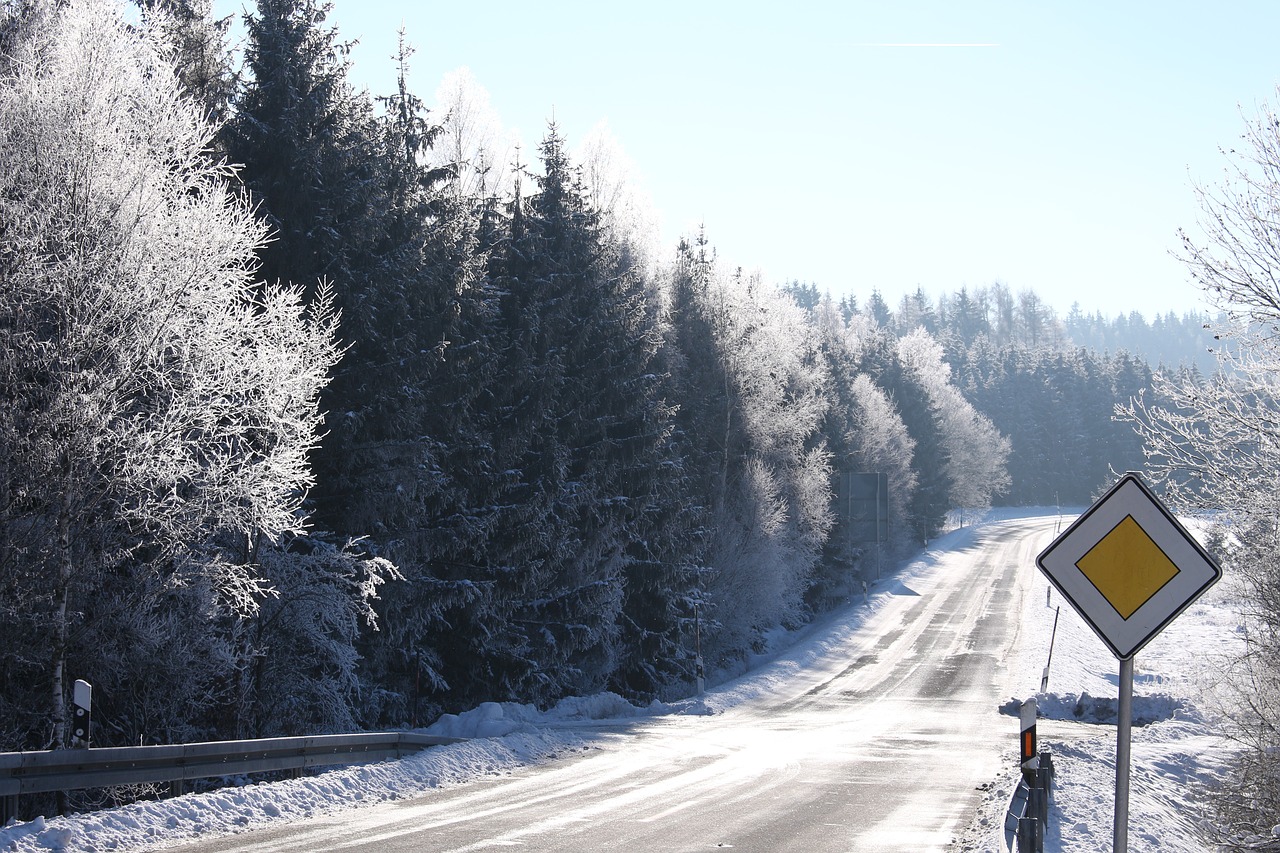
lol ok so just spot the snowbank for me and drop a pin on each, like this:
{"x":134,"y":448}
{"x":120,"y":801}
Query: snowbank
{"x":166,"y":823}
{"x":1083,"y":708}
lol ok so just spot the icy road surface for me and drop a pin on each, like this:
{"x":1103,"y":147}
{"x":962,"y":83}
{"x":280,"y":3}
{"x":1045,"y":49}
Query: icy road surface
{"x":879,"y":742}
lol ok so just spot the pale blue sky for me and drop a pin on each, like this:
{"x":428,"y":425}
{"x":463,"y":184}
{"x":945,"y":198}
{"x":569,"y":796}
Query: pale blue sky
{"x":1056,"y":153}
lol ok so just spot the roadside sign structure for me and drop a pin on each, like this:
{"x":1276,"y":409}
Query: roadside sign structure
{"x":864,"y":500}
{"x":1128,"y":568}
{"x":866,"y":506}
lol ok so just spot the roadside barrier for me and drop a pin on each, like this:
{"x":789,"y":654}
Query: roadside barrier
{"x":77,"y":769}
{"x":1027,"y":817}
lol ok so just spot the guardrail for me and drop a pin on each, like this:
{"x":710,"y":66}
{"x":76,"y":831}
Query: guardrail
{"x":1027,"y":817}
{"x":77,"y":769}
{"x":1014,"y":814}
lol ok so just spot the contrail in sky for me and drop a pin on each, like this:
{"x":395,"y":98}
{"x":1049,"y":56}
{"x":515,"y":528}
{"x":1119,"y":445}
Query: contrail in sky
{"x":929,"y":44}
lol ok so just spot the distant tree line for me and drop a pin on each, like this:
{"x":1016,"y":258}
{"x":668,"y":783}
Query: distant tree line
{"x":367,"y":428}
{"x":1022,"y":320}
{"x":1026,"y":370}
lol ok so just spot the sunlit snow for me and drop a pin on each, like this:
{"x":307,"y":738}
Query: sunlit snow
{"x":1180,"y":746}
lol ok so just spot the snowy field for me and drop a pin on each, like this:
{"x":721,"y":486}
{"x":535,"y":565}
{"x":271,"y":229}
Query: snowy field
{"x":1176,"y":751}
{"x":1176,"y":743}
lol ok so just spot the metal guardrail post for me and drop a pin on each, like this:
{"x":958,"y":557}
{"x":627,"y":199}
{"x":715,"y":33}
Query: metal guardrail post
{"x":1046,"y":779}
{"x":1037,"y":809}
{"x":8,"y":801}
{"x":1027,"y":818}
{"x":1027,"y":832}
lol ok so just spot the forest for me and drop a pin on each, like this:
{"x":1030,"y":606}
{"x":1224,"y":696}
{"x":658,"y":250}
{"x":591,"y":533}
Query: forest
{"x":316,"y":422}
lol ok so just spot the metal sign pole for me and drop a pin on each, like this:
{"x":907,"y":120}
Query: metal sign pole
{"x":1044,"y":679}
{"x":699,"y":670}
{"x":1124,"y":726}
{"x":848,"y":490}
{"x":881,"y":497}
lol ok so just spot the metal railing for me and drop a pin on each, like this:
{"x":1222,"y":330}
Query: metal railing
{"x":77,"y":769}
{"x":1027,"y":818}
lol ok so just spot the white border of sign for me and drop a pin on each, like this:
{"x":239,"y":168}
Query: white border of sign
{"x":1197,"y":571}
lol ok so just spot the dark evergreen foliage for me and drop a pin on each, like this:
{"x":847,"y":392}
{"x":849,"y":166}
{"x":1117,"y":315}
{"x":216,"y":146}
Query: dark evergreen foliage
{"x":1066,"y":442}
{"x":565,"y":454}
{"x":306,"y":146}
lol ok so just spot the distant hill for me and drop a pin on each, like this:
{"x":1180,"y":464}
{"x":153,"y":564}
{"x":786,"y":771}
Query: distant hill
{"x":1168,"y":340}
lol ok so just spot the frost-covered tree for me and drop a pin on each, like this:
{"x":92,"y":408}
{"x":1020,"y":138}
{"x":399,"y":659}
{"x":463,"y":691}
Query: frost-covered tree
{"x":1215,"y":443}
{"x":473,"y":139}
{"x":880,"y":359}
{"x":753,"y":390}
{"x":977,"y":454}
{"x":881,"y":442}
{"x":864,"y":434}
{"x":197,"y":43}
{"x":626,"y":213}
{"x":159,"y":403}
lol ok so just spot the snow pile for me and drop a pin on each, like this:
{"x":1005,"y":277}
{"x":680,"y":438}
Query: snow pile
{"x":491,"y":719}
{"x":495,"y":719}
{"x":1084,"y":708}
{"x":165,"y":823}
{"x":38,"y":833}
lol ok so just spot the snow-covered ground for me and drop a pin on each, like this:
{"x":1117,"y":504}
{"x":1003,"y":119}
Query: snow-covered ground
{"x":1177,"y":744}
{"x":1177,"y":750}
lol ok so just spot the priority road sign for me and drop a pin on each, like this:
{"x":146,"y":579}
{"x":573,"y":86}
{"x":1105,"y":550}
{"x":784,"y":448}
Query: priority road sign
{"x":1128,"y":567}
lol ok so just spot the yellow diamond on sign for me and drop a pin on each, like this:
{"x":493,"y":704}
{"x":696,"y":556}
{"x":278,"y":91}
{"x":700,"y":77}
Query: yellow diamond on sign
{"x":1127,"y":567}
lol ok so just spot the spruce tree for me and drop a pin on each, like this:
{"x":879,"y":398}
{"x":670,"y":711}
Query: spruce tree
{"x":301,"y":137}
{"x":590,"y":344}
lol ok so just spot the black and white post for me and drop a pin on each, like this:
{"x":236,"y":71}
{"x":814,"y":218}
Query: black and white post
{"x":81,"y":702}
{"x":1030,"y":756}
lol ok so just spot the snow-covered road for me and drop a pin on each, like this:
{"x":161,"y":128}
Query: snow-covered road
{"x":873,"y":733}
